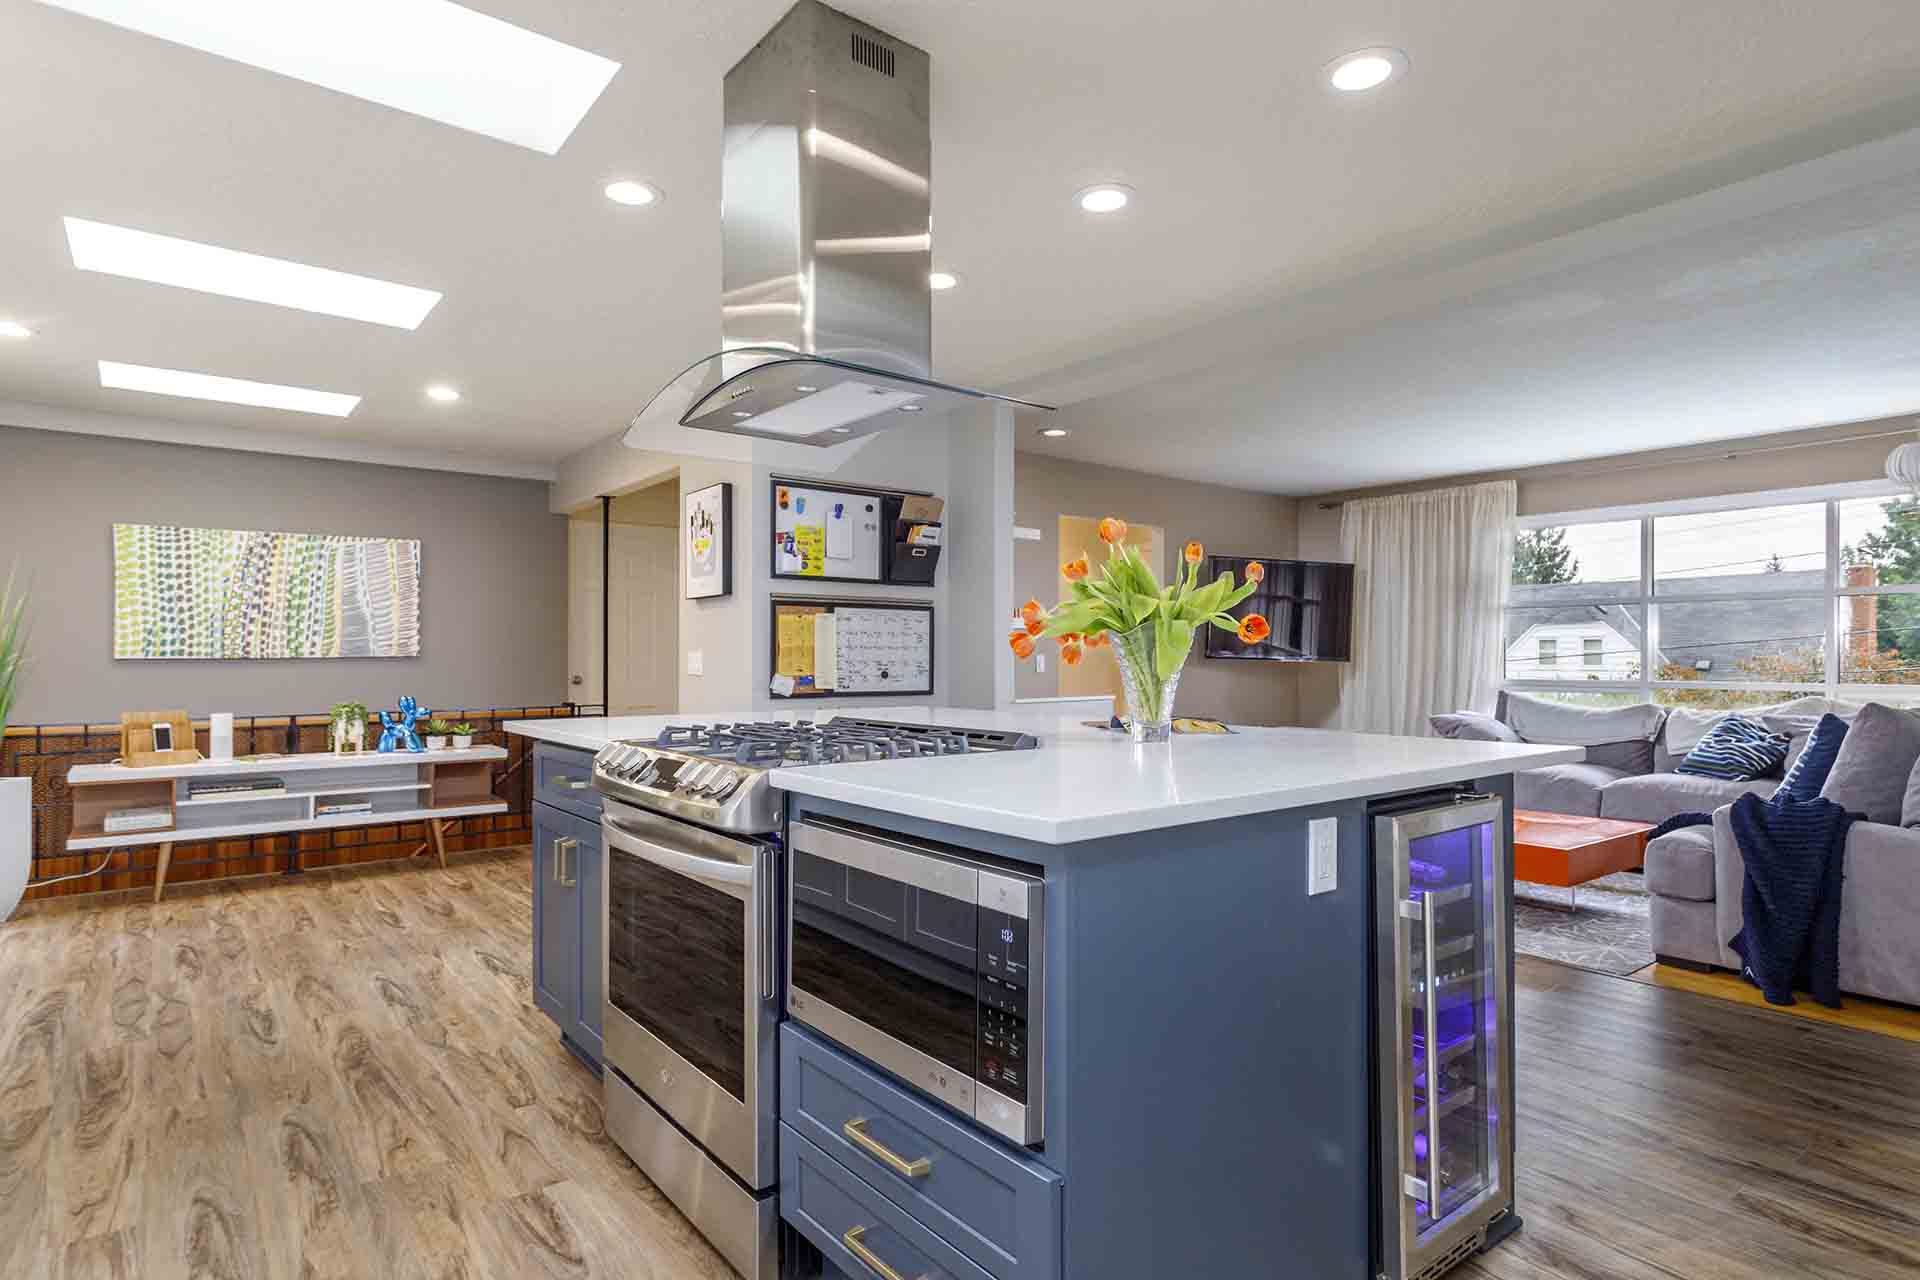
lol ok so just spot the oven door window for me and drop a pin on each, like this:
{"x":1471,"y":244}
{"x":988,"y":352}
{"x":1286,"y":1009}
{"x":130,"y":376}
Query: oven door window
{"x":896,"y":957}
{"x":676,"y":965}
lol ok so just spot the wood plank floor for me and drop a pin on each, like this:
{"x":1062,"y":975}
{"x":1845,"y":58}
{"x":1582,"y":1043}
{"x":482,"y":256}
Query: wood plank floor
{"x":339,"y":1075}
{"x":343,"y":1075}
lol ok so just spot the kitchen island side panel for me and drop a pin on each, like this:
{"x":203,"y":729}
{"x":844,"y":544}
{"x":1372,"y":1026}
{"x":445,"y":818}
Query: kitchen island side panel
{"x":1207,"y":1079}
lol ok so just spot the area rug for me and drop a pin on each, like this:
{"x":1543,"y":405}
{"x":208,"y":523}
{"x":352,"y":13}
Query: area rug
{"x":1608,"y":933}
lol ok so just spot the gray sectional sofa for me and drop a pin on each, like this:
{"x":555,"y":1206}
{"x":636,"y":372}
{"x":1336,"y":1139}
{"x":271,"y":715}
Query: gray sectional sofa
{"x":1695,"y":875}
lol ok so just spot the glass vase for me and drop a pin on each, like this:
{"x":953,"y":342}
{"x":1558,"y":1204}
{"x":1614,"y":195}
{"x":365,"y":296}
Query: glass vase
{"x":1149,"y":694}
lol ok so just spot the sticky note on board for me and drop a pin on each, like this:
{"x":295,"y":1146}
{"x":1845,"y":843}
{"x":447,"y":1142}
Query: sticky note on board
{"x":781,"y":686}
{"x":810,"y":541}
{"x":826,"y":651}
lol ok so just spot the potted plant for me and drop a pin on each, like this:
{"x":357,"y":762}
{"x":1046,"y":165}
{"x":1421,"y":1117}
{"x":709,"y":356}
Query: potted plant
{"x":438,"y":731}
{"x":462,"y":736}
{"x":347,"y":727}
{"x":16,"y":794}
{"x":1151,"y":627}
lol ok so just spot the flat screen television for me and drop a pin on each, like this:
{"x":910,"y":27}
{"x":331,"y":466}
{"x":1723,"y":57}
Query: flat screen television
{"x":1308,"y":603}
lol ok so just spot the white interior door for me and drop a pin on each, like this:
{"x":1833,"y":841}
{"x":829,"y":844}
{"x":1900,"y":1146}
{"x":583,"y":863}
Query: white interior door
{"x":646,"y":620}
{"x":583,"y":611}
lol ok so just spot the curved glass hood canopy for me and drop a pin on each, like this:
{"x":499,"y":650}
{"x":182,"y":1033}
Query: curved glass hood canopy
{"x":826,"y":236}
{"x":773,"y":393}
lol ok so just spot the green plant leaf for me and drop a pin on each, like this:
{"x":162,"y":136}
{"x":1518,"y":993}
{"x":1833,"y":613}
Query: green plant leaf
{"x":1172,"y":639}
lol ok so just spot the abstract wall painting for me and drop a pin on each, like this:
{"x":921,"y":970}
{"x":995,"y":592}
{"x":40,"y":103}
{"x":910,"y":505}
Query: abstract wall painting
{"x":234,"y":593}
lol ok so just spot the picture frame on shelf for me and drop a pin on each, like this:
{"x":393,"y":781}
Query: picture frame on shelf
{"x":706,"y":532}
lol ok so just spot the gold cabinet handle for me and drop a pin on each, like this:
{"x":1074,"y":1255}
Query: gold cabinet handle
{"x":855,"y":1240}
{"x":856,"y":1131}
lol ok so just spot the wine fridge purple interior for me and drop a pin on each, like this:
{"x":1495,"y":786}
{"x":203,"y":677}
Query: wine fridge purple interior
{"x":1445,"y":1024}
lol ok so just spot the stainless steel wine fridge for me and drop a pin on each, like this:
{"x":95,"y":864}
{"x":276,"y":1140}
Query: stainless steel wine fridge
{"x":1444,"y":1083}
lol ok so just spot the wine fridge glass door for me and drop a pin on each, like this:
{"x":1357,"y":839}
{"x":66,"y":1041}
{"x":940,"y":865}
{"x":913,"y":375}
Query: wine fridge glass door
{"x":1449,"y":1024}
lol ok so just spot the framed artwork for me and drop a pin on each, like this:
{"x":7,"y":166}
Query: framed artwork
{"x":236,"y":593}
{"x":707,"y":529}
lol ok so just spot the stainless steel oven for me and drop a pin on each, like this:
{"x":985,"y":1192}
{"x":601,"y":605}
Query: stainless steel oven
{"x":927,"y":960}
{"x":691,"y":1010}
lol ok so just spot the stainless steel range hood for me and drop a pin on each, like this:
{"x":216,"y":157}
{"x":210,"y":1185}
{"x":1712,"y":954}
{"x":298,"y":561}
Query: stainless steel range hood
{"x":826,"y":315}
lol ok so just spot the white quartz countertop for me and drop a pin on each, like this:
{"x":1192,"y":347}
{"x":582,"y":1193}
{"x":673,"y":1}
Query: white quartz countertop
{"x":1084,"y":783}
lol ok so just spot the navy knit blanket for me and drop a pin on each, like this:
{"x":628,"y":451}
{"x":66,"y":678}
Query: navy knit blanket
{"x":1794,"y":850}
{"x":1679,"y":820}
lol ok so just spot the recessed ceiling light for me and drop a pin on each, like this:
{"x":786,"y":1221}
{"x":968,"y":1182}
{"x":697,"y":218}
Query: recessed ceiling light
{"x":841,"y":431}
{"x":626,"y":191}
{"x":207,"y":268}
{"x":1106,"y":197}
{"x":443,"y":393}
{"x":1055,"y":433}
{"x":911,"y":408}
{"x":1365,"y":69}
{"x":208,"y":386}
{"x":804,"y":387}
{"x":741,"y":413}
{"x":942,"y":279}
{"x":14,"y":329}
{"x":430,"y":58}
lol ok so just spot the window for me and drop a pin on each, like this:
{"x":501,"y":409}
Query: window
{"x":1723,"y":607}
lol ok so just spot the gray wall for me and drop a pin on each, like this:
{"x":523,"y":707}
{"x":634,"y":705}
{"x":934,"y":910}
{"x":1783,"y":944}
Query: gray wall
{"x":1226,"y":521}
{"x":493,"y":575}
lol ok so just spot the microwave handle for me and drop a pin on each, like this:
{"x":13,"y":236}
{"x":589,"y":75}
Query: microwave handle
{"x":687,"y":864}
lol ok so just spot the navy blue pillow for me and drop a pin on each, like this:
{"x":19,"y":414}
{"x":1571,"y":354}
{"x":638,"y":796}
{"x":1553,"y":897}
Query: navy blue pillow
{"x":1736,"y":750}
{"x":1809,"y":773}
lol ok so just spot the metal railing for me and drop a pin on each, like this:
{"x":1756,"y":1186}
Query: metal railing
{"x":45,"y":752}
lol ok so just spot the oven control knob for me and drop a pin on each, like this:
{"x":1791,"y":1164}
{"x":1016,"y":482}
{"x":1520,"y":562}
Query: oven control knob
{"x":711,"y":776}
{"x":690,"y":778}
{"x":725,"y":785}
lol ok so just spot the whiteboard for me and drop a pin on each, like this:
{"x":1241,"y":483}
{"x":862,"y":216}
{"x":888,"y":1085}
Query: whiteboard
{"x":826,"y":647}
{"x":825,"y":534}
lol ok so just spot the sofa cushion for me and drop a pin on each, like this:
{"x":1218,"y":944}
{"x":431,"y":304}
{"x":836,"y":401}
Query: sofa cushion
{"x":1564,"y":788}
{"x":1537,"y":720}
{"x":1658,"y":796}
{"x":1471,"y":725}
{"x":1687,"y":725}
{"x":1738,"y":749}
{"x":1870,"y":774}
{"x":1628,"y":757}
{"x":1680,"y":864}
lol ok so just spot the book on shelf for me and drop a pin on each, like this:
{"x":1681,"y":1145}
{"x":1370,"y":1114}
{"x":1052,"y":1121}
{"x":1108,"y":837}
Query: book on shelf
{"x":136,"y":820}
{"x":336,"y":806}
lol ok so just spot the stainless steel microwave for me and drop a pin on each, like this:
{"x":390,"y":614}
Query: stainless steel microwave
{"x":925,"y":960}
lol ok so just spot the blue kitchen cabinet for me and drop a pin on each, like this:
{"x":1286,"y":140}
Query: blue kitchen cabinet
{"x":568,"y":864}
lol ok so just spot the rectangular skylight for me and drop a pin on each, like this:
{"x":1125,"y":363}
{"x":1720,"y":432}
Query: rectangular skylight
{"x":432,"y":58}
{"x":143,"y":255}
{"x":208,"y":386}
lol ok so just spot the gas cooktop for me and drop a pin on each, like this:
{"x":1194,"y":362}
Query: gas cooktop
{"x":715,"y":774}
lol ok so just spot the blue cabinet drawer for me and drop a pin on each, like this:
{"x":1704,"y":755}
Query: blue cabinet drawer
{"x":861,"y":1232}
{"x":999,"y":1207}
{"x":563,"y":776}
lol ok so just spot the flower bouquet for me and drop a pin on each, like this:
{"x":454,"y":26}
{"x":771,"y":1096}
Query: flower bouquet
{"x":1150,"y":627}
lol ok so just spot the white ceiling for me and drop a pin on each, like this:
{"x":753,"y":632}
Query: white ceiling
{"x":1261,"y":197}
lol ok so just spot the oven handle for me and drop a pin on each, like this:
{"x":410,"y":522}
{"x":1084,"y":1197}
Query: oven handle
{"x":687,"y":864}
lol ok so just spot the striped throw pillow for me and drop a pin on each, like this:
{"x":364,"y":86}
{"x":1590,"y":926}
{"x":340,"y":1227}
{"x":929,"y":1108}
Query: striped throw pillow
{"x":1737,"y":750}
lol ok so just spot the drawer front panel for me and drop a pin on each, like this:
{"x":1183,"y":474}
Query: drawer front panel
{"x":563,"y":776}
{"x":1000,"y":1208}
{"x":861,"y":1231}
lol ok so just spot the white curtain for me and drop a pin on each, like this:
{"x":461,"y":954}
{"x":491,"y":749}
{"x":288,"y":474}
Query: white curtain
{"x":1430,"y":576}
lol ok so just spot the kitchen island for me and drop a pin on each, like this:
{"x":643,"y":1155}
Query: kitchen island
{"x":1218,"y":1054}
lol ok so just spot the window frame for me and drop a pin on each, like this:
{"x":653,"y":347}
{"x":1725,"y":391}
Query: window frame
{"x":1649,"y":599}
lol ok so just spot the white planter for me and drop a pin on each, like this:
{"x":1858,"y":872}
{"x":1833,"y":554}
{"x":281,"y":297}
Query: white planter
{"x":16,"y":840}
{"x":436,"y":742}
{"x":462,"y":741}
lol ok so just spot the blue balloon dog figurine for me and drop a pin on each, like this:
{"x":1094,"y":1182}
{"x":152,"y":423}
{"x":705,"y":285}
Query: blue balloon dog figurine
{"x":398,"y":731}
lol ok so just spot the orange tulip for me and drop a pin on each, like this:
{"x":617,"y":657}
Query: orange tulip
{"x":1036,"y":626}
{"x":1066,"y":638}
{"x":1253,"y":629}
{"x":1021,"y":643}
{"x":1094,"y":639}
{"x":1195,"y":552}
{"x":1032,"y":612}
{"x":1071,"y":654}
{"x":1256,"y":571}
{"x":1113,"y":530}
{"x":1074,"y":570}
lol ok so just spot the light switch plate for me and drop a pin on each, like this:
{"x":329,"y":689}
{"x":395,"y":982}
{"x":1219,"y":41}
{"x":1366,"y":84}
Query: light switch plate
{"x":696,"y":662}
{"x":1323,"y":855}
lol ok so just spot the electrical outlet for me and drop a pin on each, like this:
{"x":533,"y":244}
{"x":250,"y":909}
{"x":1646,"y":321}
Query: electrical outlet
{"x":1323,"y":855}
{"x":1040,"y":663}
{"x":696,"y":662}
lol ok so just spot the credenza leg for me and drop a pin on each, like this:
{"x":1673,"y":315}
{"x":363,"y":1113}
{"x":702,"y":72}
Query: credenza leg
{"x":440,"y":840}
{"x":160,"y":877}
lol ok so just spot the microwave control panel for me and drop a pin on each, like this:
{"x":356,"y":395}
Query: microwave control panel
{"x":1003,"y":1003}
